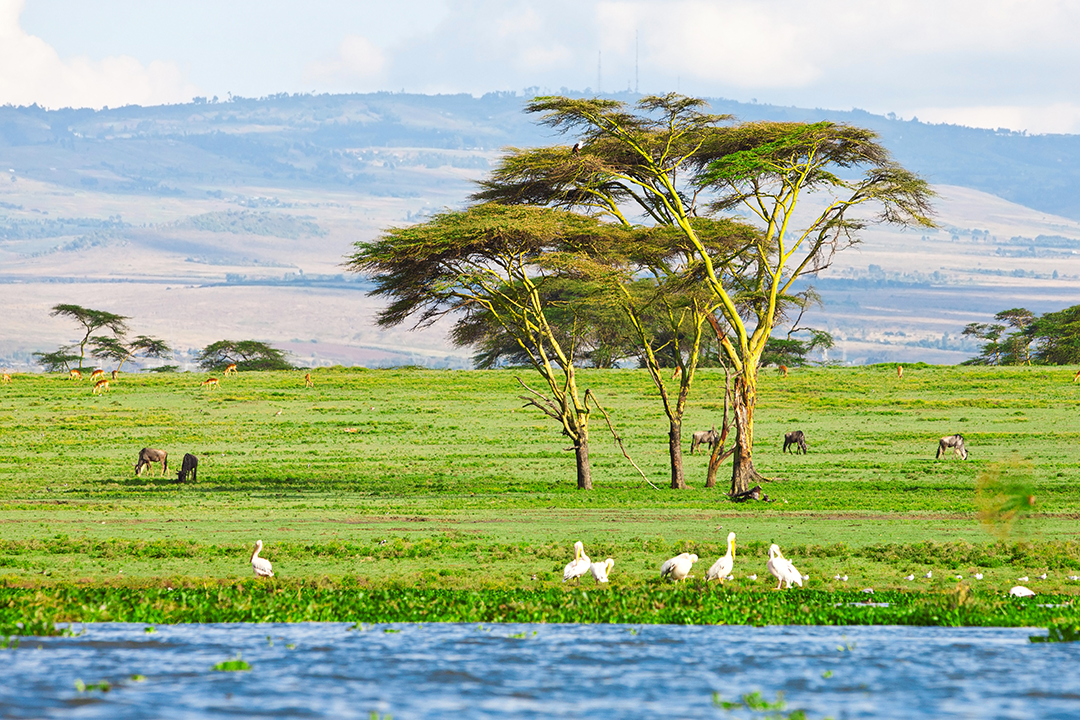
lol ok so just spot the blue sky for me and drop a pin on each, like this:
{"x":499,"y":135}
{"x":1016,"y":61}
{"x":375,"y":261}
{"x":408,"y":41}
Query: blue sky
{"x":994,"y":63}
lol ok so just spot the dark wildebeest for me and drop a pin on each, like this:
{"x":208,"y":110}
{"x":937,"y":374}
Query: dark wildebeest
{"x":190,"y":465}
{"x":796,"y":438}
{"x":709,"y":437}
{"x":956,"y":442}
{"x":149,"y":456}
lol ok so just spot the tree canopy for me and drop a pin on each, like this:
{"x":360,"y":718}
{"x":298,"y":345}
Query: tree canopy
{"x":1021,"y":338}
{"x":247,"y":354}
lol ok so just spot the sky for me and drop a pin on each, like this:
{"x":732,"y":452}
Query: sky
{"x":987,"y":63}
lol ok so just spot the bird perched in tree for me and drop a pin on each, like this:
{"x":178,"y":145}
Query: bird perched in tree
{"x":723,"y":567}
{"x":580,"y":564}
{"x":678,"y":567}
{"x":782,"y":568}
{"x":600,"y":570}
{"x":261,"y":566}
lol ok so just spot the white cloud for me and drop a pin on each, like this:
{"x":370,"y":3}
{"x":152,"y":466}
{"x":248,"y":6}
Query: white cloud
{"x":32,"y":72}
{"x":356,"y":61}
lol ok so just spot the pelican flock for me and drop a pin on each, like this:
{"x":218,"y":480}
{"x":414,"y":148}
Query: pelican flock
{"x":261,"y":566}
{"x":723,"y":567}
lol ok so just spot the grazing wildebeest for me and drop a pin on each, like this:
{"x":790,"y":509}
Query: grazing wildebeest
{"x":190,"y":465}
{"x":956,"y":442}
{"x":709,"y":437}
{"x":796,"y":438}
{"x":149,"y":456}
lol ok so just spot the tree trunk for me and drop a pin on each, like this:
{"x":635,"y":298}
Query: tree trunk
{"x":742,"y":465}
{"x":675,"y":450}
{"x":584,"y":472}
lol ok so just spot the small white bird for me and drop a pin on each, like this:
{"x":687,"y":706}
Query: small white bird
{"x":1043,"y":576}
{"x":261,"y":566}
{"x":1021,"y":591}
{"x":843,"y":578}
{"x":909,"y":578}
{"x":678,"y":567}
{"x":723,"y":567}
{"x":601,"y":569}
{"x":782,"y":569}
{"x":1022,"y":579}
{"x":836,"y":576}
{"x":959,"y":577}
{"x":978,"y":576}
{"x":730,"y":577}
{"x":579,"y":566}
{"x":868,"y":591}
{"x":1074,"y":577}
{"x":752,"y":577}
{"x":929,"y":574}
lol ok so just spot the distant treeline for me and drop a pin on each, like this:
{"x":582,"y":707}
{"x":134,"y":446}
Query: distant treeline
{"x":253,"y":223}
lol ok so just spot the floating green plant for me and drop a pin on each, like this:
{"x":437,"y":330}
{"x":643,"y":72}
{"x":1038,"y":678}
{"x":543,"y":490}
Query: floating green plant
{"x":233,"y":665}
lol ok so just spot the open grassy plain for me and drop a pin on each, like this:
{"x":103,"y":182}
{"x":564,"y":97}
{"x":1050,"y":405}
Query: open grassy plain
{"x":414,"y":481}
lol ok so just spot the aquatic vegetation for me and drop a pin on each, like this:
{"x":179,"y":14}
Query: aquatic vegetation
{"x":1060,"y":632}
{"x":84,"y":687}
{"x":235,"y":664}
{"x":759,"y":707}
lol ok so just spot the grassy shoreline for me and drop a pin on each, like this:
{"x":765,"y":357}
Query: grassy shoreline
{"x":415,"y":481}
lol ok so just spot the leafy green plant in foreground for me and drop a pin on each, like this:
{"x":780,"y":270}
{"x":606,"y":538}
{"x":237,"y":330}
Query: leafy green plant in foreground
{"x":1060,"y":632}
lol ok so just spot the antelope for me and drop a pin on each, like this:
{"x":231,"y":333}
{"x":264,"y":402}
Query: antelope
{"x":1075,"y":377}
{"x":101,"y":386}
{"x":210,"y":383}
{"x":74,"y":375}
{"x":308,"y":382}
{"x":7,"y":378}
{"x":231,"y":368}
{"x":97,"y":375}
{"x":149,"y":456}
{"x":797,"y":439}
{"x":678,"y":371}
{"x":115,"y":374}
{"x":900,"y":372}
{"x":782,"y":369}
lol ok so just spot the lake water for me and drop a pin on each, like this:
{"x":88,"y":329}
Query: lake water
{"x":327,"y":670}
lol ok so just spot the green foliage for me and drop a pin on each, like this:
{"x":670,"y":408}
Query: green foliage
{"x":246,"y":354}
{"x":759,"y":707}
{"x":1059,"y":632}
{"x":244,"y":222}
{"x":58,"y":361}
{"x":235,"y":664}
{"x":91,"y":321}
{"x":103,"y":686}
{"x":1055,"y":335}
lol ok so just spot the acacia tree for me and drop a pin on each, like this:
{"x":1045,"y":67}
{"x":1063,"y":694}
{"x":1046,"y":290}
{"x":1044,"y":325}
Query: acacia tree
{"x":119,"y":350}
{"x":491,"y":260}
{"x":246,"y":354}
{"x":673,"y":161}
{"x":91,"y":321}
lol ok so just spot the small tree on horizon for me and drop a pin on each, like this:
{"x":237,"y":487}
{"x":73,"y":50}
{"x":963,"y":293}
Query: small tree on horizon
{"x":246,"y":354}
{"x":91,"y":321}
{"x":117,"y":349}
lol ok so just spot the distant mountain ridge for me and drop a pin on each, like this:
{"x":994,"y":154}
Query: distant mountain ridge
{"x":329,"y":140}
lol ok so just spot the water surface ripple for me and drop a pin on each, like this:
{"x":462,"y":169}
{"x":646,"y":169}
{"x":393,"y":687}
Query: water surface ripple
{"x":327,"y":670}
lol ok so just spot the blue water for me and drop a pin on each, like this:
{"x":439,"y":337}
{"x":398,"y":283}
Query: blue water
{"x":327,"y":670}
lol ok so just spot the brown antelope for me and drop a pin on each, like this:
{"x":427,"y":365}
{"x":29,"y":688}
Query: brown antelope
{"x":231,"y":368}
{"x":210,"y":383}
{"x":115,"y":374}
{"x":149,"y":456}
{"x":97,"y":375}
{"x":782,"y":369}
{"x":7,"y":378}
{"x":74,"y":375}
{"x":678,"y":371}
{"x":101,"y":386}
{"x":900,"y":372}
{"x":1075,"y":377}
{"x":308,"y":382}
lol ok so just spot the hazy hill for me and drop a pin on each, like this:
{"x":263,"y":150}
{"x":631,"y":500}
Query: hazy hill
{"x":215,"y":220}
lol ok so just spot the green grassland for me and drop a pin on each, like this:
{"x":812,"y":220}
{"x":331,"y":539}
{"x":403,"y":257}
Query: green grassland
{"x":442,"y":481}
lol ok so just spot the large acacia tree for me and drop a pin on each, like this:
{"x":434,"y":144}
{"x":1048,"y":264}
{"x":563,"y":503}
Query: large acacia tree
{"x":91,"y":321}
{"x":667,"y":161}
{"x":492,"y":262}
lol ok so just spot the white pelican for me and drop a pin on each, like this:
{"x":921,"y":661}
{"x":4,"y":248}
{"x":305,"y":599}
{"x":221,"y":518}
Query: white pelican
{"x":601,"y":569}
{"x":723,"y":567}
{"x":1043,"y":576}
{"x":1020,"y":591}
{"x":679,"y":566}
{"x":909,"y":578}
{"x":579,"y":566}
{"x":261,"y":566}
{"x":1022,"y":579}
{"x":782,"y":569}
